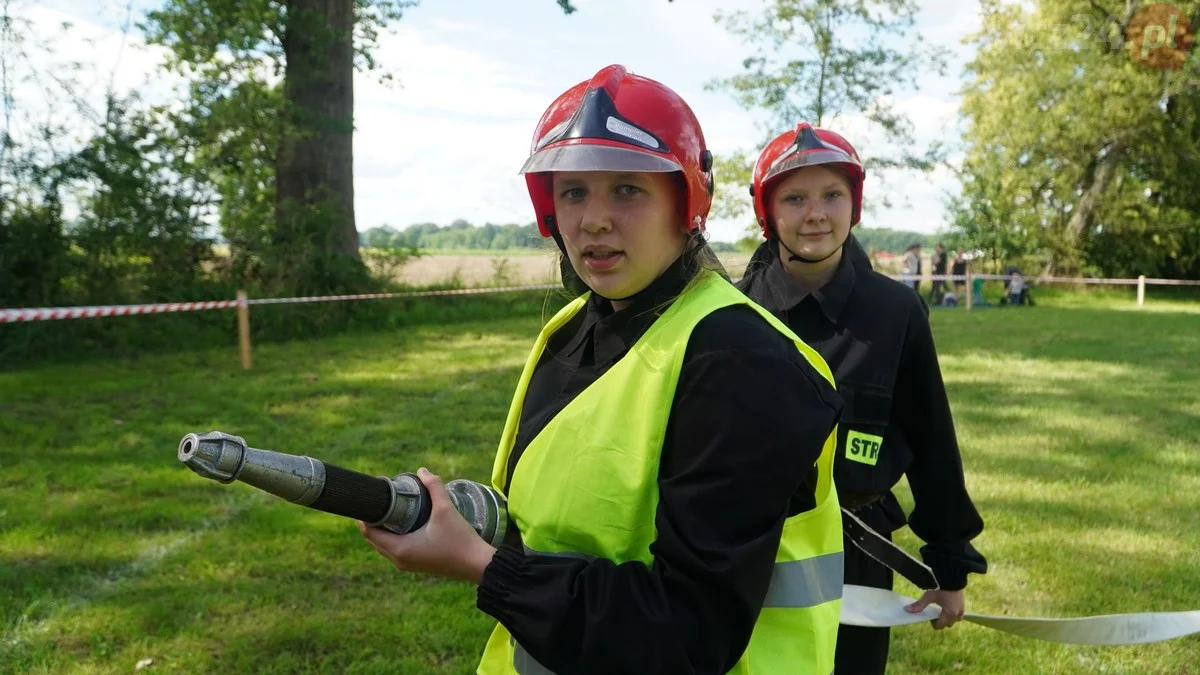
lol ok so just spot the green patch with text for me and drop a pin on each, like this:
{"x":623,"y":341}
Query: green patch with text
{"x":862,"y":447}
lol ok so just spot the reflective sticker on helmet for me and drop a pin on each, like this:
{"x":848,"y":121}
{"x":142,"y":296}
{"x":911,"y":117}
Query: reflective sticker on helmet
{"x":863,"y":448}
{"x":553,"y":134}
{"x":629,"y":131}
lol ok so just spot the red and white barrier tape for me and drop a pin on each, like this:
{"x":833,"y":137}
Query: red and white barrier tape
{"x":53,"y":313}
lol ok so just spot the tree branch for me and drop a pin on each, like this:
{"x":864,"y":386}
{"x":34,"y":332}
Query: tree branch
{"x":1104,"y":12}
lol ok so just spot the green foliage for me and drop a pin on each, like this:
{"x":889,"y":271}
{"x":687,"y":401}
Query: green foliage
{"x":253,"y":113}
{"x":458,"y":235}
{"x":462,"y":236}
{"x":811,"y":64}
{"x":733,"y":173}
{"x":1074,"y":149}
{"x":140,"y":235}
{"x":876,"y":239}
{"x":235,"y":131}
{"x":34,"y":254}
{"x":141,"y":231}
{"x":229,"y":40}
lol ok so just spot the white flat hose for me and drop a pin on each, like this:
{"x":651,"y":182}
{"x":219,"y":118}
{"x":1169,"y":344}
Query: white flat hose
{"x":878,"y":608}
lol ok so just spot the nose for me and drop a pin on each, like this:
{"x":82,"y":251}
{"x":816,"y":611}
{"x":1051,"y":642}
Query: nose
{"x":814,"y":210}
{"x":597,"y":215}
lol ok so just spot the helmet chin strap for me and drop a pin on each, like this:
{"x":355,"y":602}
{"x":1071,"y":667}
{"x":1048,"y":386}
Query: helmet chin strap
{"x":552,"y":225}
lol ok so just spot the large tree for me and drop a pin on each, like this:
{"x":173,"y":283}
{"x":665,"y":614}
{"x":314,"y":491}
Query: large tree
{"x":1079,"y":147}
{"x":821,"y":61}
{"x":271,"y":91}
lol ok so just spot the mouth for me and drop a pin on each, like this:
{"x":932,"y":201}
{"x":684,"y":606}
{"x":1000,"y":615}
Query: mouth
{"x":601,"y":257}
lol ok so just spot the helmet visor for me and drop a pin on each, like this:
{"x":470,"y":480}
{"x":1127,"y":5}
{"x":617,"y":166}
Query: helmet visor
{"x":591,"y":157}
{"x":800,"y":159}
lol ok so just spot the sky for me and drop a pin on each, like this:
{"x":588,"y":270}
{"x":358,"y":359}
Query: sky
{"x":472,"y":77}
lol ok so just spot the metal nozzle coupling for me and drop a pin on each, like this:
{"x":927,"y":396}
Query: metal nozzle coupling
{"x":217,"y":456}
{"x":400,"y":504}
{"x":226,"y":458}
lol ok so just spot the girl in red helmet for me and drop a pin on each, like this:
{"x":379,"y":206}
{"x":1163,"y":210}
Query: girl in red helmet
{"x":874,"y":334}
{"x":667,"y":459}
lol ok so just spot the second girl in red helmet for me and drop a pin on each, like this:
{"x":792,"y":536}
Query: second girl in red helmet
{"x":874,"y":333}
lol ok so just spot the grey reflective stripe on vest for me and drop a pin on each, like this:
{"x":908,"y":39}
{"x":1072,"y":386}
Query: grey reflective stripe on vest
{"x":525,"y":664}
{"x":806,"y":583}
{"x":796,"y":584}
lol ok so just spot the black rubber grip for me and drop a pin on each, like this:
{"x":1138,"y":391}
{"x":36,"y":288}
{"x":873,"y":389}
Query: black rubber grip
{"x":354,"y":495}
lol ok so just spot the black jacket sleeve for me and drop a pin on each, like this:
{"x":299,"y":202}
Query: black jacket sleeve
{"x":747,"y":425}
{"x":943,"y":514}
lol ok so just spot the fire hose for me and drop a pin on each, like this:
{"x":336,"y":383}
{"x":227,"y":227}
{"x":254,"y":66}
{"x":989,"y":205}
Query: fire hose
{"x":401,"y":504}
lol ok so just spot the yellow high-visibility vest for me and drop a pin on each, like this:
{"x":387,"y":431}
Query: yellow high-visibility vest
{"x":587,"y":485}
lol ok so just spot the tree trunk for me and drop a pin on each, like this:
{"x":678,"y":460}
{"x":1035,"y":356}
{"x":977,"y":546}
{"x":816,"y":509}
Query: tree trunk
{"x":314,"y":194}
{"x":1096,"y":180}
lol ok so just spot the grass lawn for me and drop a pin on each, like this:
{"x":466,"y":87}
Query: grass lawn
{"x":1079,"y":420}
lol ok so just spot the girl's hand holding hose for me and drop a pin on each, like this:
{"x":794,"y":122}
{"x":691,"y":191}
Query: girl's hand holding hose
{"x":446,"y":546}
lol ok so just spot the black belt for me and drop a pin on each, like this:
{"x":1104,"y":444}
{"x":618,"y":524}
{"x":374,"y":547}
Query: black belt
{"x":886,"y":552}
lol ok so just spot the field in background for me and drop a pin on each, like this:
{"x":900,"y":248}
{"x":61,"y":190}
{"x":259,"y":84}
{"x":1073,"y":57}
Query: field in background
{"x":503,"y":268}
{"x":1078,"y":420}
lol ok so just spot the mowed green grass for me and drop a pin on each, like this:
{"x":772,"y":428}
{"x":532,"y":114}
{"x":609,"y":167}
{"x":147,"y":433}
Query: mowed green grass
{"x":1079,"y":421}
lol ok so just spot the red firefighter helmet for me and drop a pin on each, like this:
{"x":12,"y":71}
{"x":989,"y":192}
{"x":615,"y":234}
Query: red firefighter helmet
{"x":618,"y":121}
{"x":800,"y":147}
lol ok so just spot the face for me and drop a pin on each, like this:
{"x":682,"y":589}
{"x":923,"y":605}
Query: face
{"x":811,"y":208}
{"x":621,"y":230}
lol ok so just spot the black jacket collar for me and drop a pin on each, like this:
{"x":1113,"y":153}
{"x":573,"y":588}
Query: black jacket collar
{"x":613,"y":332}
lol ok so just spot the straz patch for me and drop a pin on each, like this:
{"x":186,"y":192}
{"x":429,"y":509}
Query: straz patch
{"x":863,"y":448}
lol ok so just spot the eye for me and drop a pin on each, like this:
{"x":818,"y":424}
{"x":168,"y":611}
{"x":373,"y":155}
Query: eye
{"x":626,"y":190}
{"x":833,"y":194}
{"x":794,"y":199}
{"x":573,"y":193}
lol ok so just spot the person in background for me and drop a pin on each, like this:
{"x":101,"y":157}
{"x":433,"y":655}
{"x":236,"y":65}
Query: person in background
{"x":1016,"y":287}
{"x":912,"y":266}
{"x":874,"y":333}
{"x":958,"y":269}
{"x":667,"y":457}
{"x":939,"y":268}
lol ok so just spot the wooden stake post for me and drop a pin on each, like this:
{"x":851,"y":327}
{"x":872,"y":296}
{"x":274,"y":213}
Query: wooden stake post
{"x":243,"y":313}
